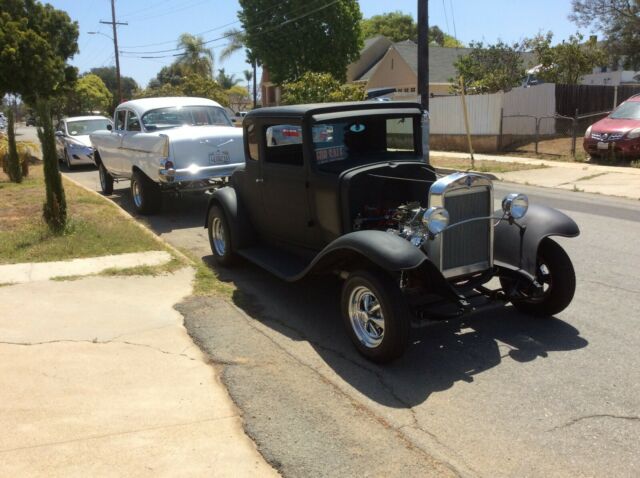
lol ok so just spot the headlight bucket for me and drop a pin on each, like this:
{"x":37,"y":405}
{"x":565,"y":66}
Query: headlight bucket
{"x":515,"y":205}
{"x":436,"y":219}
{"x":587,"y":134}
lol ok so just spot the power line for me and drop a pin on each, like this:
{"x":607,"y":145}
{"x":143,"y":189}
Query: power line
{"x":453,"y":19}
{"x":223,"y":37}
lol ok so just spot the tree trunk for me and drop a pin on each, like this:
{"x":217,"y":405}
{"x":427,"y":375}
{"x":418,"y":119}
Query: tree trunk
{"x":14,"y":169}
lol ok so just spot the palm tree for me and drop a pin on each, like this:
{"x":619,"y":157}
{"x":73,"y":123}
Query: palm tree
{"x":248,"y":75}
{"x":196,"y":58}
{"x":238,"y":41}
{"x":226,"y":81}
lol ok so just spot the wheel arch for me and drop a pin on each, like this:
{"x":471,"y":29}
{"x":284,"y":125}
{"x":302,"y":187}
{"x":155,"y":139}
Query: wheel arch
{"x":237,"y":218}
{"x":519,"y":248}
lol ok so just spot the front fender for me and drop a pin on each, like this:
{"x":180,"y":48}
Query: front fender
{"x":388,"y":251}
{"x":519,"y":248}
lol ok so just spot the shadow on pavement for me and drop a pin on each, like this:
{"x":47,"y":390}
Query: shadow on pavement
{"x":439,"y":356}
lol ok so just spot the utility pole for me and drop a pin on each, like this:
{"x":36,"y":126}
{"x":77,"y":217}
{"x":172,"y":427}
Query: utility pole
{"x":114,"y":24}
{"x":423,"y":52}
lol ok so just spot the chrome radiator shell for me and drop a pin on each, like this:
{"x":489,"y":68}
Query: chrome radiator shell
{"x":468,"y":248}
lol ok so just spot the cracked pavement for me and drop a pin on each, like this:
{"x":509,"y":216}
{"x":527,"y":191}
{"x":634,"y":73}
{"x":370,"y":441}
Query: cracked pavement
{"x":98,"y":377}
{"x":499,"y":395}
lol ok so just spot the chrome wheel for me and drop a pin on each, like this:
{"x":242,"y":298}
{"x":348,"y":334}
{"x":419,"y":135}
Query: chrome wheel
{"x":136,"y":192}
{"x":217,"y":236}
{"x":366,"y":317}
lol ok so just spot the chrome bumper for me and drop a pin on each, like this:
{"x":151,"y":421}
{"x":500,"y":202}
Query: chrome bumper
{"x":197,"y":173}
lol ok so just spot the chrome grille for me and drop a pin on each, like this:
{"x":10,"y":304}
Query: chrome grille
{"x":607,"y":137}
{"x":468,"y":247}
{"x":468,"y":243}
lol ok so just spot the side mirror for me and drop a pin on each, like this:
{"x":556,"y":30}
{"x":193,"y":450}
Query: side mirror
{"x":109,"y":127}
{"x":59,"y":134}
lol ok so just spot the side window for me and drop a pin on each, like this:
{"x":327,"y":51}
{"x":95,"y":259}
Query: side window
{"x":252,"y":141}
{"x":284,"y":144}
{"x":120,"y":120}
{"x":133,"y":123}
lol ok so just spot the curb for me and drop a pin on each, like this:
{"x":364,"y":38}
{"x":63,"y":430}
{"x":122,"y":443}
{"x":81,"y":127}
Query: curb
{"x":131,"y":218}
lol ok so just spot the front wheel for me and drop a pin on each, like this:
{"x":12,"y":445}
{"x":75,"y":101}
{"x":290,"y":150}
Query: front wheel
{"x":145,"y":193}
{"x":220,"y":236}
{"x":375,"y":315}
{"x":554,"y":271}
{"x":106,"y":180}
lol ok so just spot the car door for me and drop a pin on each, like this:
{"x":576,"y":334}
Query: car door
{"x":110,"y":149}
{"x":284,"y":183}
{"x":131,"y":151}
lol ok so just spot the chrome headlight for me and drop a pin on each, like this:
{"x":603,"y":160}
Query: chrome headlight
{"x":587,"y":134}
{"x":436,"y":219}
{"x":515,"y":205}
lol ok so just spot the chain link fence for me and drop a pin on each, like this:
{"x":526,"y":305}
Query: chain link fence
{"x":555,"y":135}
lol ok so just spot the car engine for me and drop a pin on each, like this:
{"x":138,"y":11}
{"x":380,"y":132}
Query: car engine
{"x":404,"y":221}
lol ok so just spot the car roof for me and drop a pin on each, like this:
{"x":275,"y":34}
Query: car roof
{"x":143,"y":105}
{"x":84,"y":118}
{"x":316,"y":108}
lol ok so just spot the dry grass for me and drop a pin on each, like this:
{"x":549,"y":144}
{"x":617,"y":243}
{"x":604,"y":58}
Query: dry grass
{"x":483,"y":166}
{"x":95,"y":228}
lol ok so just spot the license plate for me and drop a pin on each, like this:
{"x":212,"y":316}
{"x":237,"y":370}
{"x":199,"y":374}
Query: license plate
{"x":603,"y":145}
{"x":219,"y":158}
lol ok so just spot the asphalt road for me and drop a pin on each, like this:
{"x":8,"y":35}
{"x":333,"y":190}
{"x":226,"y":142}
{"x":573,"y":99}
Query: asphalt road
{"x":498,"y":395}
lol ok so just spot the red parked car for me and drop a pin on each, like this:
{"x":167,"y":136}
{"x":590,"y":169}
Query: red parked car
{"x":618,"y":133}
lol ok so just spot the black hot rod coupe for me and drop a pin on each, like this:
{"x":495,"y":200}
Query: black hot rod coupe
{"x":346,"y":190}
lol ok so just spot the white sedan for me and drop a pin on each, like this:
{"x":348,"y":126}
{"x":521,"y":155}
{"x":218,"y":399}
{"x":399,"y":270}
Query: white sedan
{"x":72,"y":138}
{"x":167,"y":144}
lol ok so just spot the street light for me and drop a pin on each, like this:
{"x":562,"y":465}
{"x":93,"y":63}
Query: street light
{"x":117,"y":63}
{"x":100,"y":33}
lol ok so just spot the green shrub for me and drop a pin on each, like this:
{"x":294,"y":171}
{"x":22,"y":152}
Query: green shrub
{"x":320,"y":88}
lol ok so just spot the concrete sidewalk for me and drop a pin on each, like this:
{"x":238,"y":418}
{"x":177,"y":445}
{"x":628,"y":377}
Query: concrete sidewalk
{"x":99,"y":377}
{"x":584,"y":177}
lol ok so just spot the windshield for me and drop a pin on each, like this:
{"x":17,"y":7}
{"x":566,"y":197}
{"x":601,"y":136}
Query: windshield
{"x":356,"y":141}
{"x":185,"y":116}
{"x":628,"y":110}
{"x":82,"y":127}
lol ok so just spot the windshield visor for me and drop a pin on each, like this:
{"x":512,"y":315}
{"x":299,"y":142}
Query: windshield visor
{"x":341,"y":144}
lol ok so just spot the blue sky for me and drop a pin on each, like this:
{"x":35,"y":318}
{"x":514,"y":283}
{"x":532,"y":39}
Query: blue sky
{"x":158,"y":23}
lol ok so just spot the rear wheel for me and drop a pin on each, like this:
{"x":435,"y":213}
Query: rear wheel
{"x":146,"y":195}
{"x":220,"y":236}
{"x":106,"y":180}
{"x":375,"y":315}
{"x":554,"y":271}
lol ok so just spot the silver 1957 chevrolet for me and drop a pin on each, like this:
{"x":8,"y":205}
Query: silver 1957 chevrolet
{"x":167,"y":144}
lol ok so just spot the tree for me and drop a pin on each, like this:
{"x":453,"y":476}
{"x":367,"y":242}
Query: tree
{"x":14,"y":169}
{"x":191,"y":85}
{"x":196,"y":58}
{"x":108,"y":76}
{"x":320,"y":88}
{"x":566,"y":62}
{"x":91,"y":94}
{"x":491,"y":68}
{"x":226,"y":81}
{"x":620,"y":22}
{"x":55,"y":207}
{"x":398,"y":26}
{"x":327,"y":36}
{"x":238,"y":97}
{"x":36,"y":41}
{"x":238,"y":41}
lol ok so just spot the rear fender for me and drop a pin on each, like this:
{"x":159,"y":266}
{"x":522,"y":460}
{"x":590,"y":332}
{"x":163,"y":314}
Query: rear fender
{"x":519,"y":248}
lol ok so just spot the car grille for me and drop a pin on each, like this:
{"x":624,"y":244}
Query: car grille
{"x":466,"y":246}
{"x":606,"y":137}
{"x":468,"y":243}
